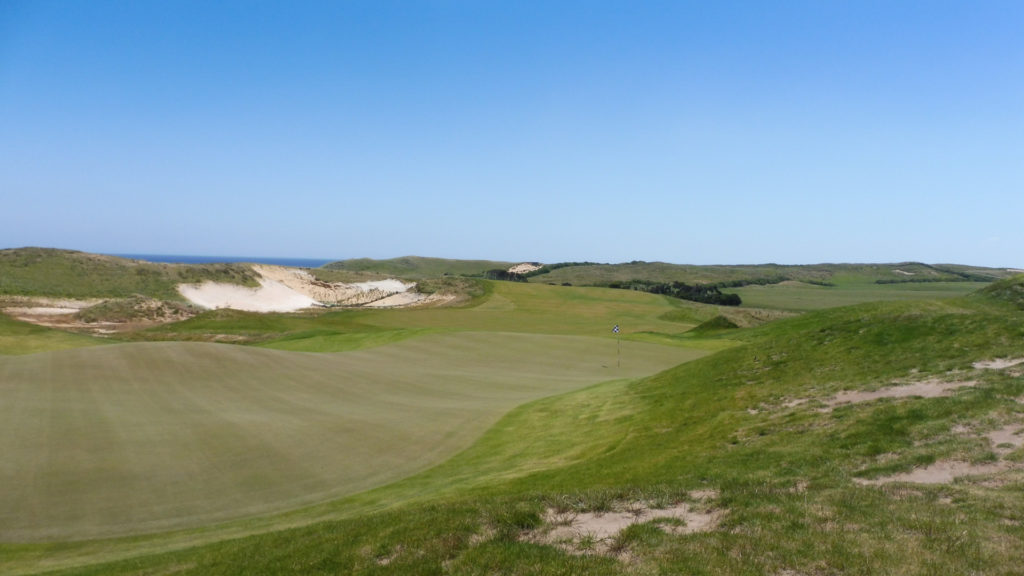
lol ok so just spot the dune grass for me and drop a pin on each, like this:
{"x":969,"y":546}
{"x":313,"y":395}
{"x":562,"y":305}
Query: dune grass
{"x":415,"y":267}
{"x":70,"y":274}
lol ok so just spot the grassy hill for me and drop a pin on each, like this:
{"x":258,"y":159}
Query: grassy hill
{"x":832,"y":274}
{"x":58,"y":273}
{"x":415,"y":267}
{"x":752,"y":434}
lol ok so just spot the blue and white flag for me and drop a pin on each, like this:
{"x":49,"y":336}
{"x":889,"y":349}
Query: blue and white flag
{"x":616,"y":329}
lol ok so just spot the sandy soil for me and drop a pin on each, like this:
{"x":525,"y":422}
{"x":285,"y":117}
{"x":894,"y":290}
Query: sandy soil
{"x":942,"y":472}
{"x":904,"y":273}
{"x":1004,"y":441}
{"x":62,"y":313}
{"x":1012,"y":434}
{"x":998,"y":363}
{"x":926,"y":389}
{"x":585,"y":532}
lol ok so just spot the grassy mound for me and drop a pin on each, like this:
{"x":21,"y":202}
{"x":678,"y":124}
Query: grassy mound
{"x":715,"y":325}
{"x":415,"y":267}
{"x":135,"y":309}
{"x":1009,"y":290}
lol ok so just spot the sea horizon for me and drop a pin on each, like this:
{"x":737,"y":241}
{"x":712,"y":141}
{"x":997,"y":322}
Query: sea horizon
{"x":198,"y":259}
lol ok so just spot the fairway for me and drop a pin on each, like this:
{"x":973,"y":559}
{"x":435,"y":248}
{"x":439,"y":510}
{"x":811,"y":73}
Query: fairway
{"x":130,"y":438}
{"x":797,"y":296}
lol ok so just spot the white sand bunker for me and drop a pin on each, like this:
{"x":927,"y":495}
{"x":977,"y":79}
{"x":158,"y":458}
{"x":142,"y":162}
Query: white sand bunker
{"x":524,"y":268}
{"x":289,"y":289}
{"x":340,"y":293}
{"x":596,"y":532}
{"x":271,"y":296}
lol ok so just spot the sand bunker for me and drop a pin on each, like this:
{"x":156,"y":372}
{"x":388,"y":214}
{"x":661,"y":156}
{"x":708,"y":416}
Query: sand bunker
{"x":271,"y":296}
{"x":285,"y":289}
{"x":333,"y":293}
{"x":524,"y":268}
{"x":595,"y":532}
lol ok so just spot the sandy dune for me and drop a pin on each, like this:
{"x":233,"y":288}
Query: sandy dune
{"x":271,"y":296}
{"x":285,"y":289}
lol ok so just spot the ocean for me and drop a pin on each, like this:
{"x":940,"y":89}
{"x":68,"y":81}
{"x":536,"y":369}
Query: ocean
{"x":183,"y":259}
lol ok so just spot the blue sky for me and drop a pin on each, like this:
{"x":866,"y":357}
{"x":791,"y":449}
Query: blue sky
{"x":710,"y":132}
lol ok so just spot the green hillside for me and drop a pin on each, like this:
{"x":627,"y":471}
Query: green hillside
{"x":830,"y":274}
{"x":415,"y":267}
{"x":70,"y":274}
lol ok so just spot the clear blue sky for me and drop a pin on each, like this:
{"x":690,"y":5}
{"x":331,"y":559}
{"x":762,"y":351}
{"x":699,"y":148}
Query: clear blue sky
{"x":688,"y":132}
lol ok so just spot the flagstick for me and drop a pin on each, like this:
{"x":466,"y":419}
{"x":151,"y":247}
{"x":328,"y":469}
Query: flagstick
{"x":618,"y":351}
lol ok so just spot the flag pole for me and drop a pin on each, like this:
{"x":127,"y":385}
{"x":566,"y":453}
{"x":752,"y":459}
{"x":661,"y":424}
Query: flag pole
{"x":618,"y":347}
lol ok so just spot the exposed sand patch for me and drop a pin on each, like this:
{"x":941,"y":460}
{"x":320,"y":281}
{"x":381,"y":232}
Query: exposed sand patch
{"x":63,"y":314}
{"x":904,"y":273}
{"x":595,"y":532}
{"x":998,"y":363}
{"x":1004,"y":440}
{"x":524,"y":268}
{"x":942,"y":472}
{"x":334,"y":293}
{"x":1011,"y":434}
{"x":23,"y":306}
{"x":400,"y":299}
{"x":926,"y":389}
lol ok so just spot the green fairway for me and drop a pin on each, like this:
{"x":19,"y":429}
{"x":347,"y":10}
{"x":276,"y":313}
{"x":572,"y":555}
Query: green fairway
{"x":132,"y":438}
{"x":509,"y":307}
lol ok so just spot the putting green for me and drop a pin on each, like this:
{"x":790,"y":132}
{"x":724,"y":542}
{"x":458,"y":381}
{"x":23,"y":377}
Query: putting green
{"x":130,"y":438}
